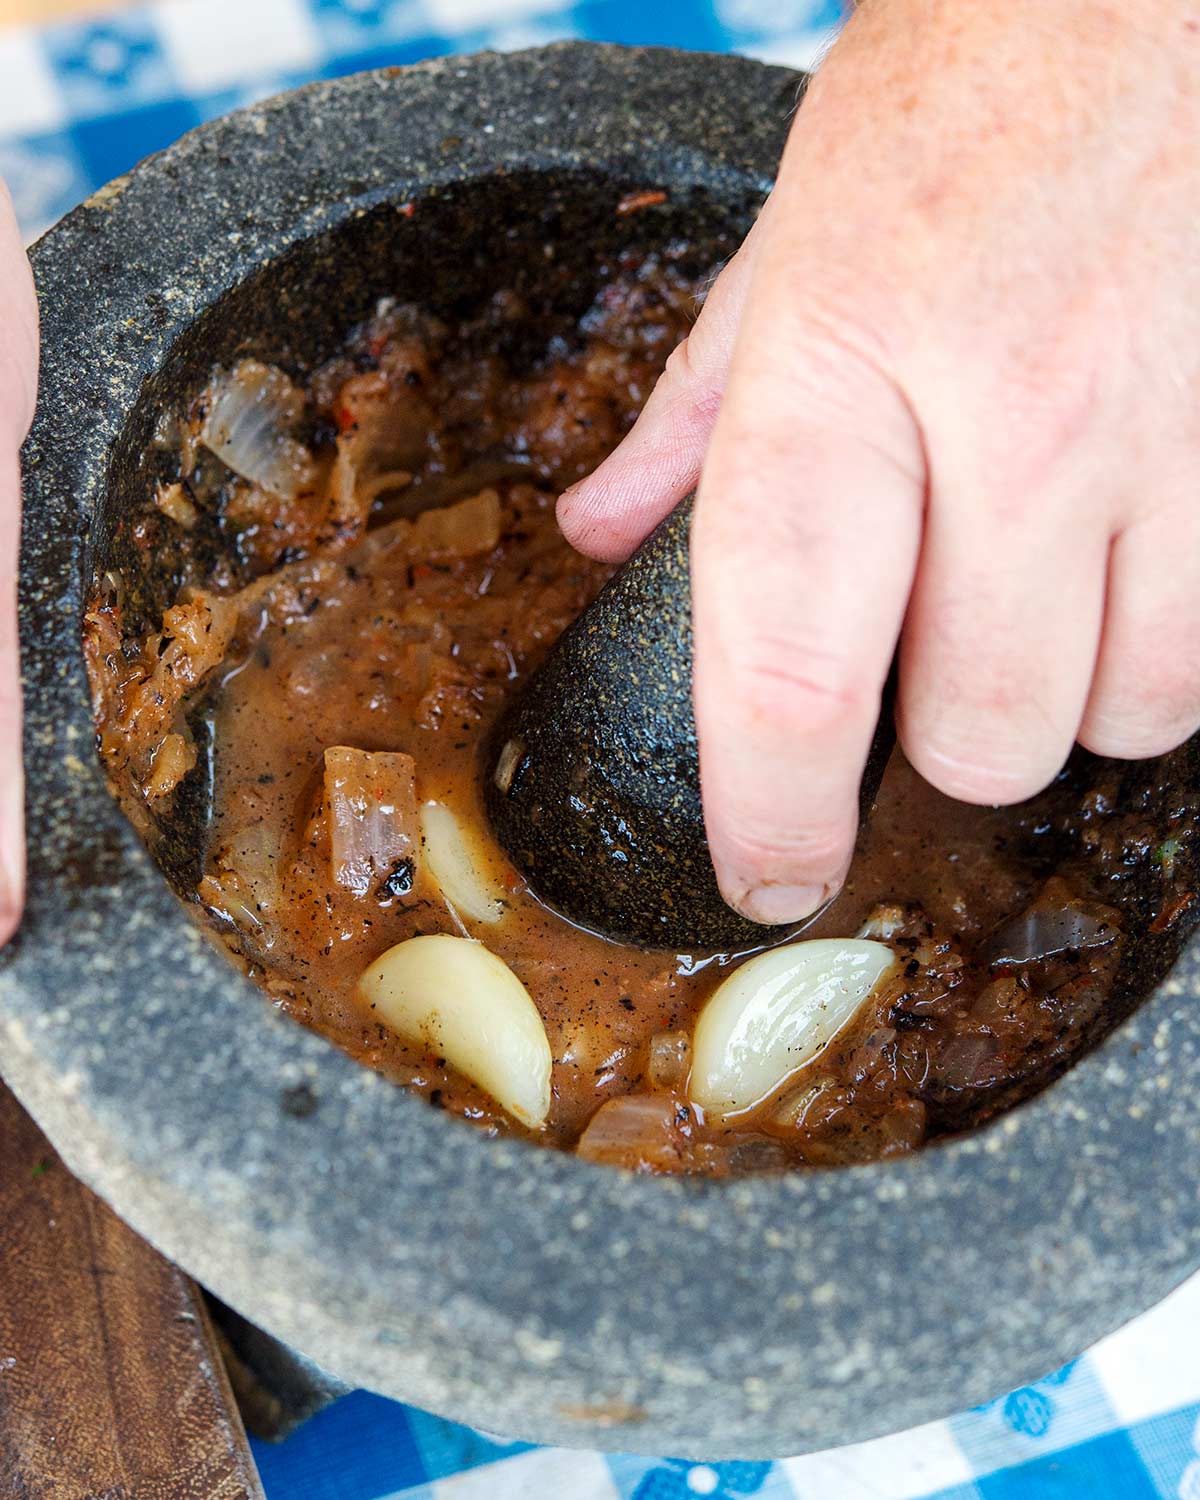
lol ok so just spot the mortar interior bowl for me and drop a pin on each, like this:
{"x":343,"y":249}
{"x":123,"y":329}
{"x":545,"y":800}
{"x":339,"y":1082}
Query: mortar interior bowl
{"x":520,"y":1290}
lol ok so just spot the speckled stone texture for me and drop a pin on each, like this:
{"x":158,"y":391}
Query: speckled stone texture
{"x":594,"y":772}
{"x":521,"y":1290}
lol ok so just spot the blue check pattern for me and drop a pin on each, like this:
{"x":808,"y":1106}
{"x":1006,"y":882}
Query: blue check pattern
{"x":80,"y":104}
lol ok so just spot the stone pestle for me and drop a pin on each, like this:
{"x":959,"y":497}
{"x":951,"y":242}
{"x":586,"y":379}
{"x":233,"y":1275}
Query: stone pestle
{"x":592,"y":779}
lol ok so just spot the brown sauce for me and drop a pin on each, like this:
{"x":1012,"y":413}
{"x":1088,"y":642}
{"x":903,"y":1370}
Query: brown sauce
{"x":344,"y":613}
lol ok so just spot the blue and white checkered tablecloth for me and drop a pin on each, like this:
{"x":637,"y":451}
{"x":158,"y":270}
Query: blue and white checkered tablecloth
{"x":79,"y":104}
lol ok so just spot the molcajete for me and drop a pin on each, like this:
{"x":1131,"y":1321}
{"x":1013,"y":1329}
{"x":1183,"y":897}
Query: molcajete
{"x":524,"y":1291}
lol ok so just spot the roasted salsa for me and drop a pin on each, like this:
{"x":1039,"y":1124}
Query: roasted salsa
{"x":367,"y":566}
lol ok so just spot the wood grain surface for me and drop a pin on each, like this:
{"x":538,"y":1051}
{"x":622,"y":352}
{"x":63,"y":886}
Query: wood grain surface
{"x":110,"y":1384}
{"x":111,"y":1387}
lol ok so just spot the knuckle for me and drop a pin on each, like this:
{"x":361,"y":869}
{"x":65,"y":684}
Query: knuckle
{"x":1048,"y":414}
{"x":795,"y":690}
{"x":680,"y":368}
{"x":680,"y":372}
{"x":808,"y":423}
{"x":1044,"y":406}
{"x":840,"y":356}
{"x":687,"y":381}
{"x":835,"y":372}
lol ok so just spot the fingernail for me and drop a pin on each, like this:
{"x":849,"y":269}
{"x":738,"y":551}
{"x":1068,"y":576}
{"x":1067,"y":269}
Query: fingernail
{"x":775,"y":905}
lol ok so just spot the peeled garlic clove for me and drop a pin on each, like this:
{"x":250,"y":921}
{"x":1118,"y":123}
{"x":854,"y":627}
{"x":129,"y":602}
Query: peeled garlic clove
{"x":775,"y":1014}
{"x":453,"y":997}
{"x":459,"y":864}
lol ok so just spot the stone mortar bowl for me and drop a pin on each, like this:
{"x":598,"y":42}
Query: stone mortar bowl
{"x":523,"y":1291}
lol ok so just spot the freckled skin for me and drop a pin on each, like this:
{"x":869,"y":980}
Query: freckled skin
{"x":943,"y":402}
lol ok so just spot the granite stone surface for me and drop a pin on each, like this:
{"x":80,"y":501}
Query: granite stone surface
{"x":522,"y":1291}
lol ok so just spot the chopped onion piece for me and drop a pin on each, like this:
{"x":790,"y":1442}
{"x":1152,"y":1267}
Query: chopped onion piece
{"x":643,"y":1132}
{"x":883,"y":921}
{"x":507,"y":761}
{"x":372,"y":804}
{"x":221,"y":894}
{"x":1044,"y":931}
{"x":463,"y":530}
{"x":173,"y":501}
{"x":170,"y":763}
{"x":243,"y":881}
{"x":794,"y":1106}
{"x":969,"y":1062}
{"x":459,"y":863}
{"x":670,"y":1058}
{"x":252,"y":411}
{"x":382,"y":484}
{"x":198,"y":633}
{"x":382,"y":433}
{"x":777,"y":1013}
{"x":453,"y":997}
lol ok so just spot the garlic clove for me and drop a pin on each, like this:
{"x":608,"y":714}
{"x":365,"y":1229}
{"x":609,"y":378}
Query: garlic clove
{"x":775,"y":1014}
{"x":459,"y":861}
{"x":459,"y":1001}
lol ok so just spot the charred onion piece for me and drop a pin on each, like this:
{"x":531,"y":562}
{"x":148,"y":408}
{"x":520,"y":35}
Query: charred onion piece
{"x":1056,"y":923}
{"x":371,"y":803}
{"x":252,"y":410}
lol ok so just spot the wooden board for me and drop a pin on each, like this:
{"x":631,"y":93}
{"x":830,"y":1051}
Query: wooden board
{"x":110,"y":1384}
